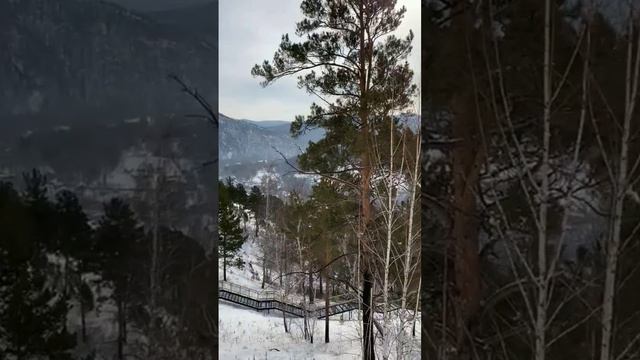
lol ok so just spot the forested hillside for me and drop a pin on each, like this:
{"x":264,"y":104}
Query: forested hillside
{"x":530,"y":205}
{"x":72,"y":288}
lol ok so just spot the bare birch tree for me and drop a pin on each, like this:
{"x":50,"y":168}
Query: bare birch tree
{"x":620,"y":187}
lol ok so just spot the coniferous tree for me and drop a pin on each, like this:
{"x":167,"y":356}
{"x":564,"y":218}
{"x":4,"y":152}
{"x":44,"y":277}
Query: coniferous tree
{"x":350,"y":59}
{"x":255,"y":198}
{"x":75,"y":243}
{"x":73,"y":233}
{"x":32,"y":315}
{"x":40,"y":208}
{"x":332,"y":211}
{"x":237,"y":192}
{"x":118,"y":245}
{"x":241,"y":194}
{"x":231,"y":237}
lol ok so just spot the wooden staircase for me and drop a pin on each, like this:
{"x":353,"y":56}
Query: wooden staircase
{"x":273,"y":300}
{"x":336,"y":309}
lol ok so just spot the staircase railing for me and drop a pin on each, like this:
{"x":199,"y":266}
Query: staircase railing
{"x":339,"y":303}
{"x":251,"y":293}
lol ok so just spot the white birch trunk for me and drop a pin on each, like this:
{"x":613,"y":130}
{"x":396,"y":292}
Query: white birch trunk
{"x":541,"y":306}
{"x":387,"y":259}
{"x":415,"y":184}
{"x":620,"y":187}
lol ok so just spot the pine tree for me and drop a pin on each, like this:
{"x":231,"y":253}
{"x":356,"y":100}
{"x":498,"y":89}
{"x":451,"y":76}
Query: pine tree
{"x":231,"y":237}
{"x":32,"y":315}
{"x":119,"y":250}
{"x":75,"y":241}
{"x":255,"y":198}
{"x":40,"y":208}
{"x":363,"y":76}
{"x":331,"y":212}
{"x":236,"y":192}
{"x":241,"y":194}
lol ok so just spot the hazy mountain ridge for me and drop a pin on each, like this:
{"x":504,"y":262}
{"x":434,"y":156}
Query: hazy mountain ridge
{"x":160,"y":5}
{"x":72,"y":57}
{"x":85,"y":86}
{"x":86,"y":99}
{"x":247,"y":141}
{"x":102,"y":161}
{"x":198,"y":18}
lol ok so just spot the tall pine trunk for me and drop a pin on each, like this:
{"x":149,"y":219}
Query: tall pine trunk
{"x":368,"y":340}
{"x":224,"y":259}
{"x":266,"y":234}
{"x":264,"y":270}
{"x":325,"y":274}
{"x":467,"y":157}
{"x":310,"y":288}
{"x":367,"y":318}
{"x":326,"y":309}
{"x":466,"y":169}
{"x":281,"y":261}
{"x":284,"y":321}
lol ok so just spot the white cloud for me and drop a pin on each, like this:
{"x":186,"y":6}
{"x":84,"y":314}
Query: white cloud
{"x":250,"y":31}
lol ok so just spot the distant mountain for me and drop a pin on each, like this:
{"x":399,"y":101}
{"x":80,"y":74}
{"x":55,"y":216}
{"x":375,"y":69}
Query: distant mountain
{"x":158,"y":5}
{"x":85,"y":97}
{"x":198,"y":18}
{"x":96,"y":60}
{"x":272,"y":123}
{"x":248,"y":147}
{"x":244,"y":141}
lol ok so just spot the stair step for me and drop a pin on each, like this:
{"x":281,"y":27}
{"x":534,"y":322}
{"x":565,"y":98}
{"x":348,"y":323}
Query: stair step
{"x":257,"y":303}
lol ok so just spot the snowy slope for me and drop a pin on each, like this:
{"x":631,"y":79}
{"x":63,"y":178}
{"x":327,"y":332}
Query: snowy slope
{"x":247,"y":334}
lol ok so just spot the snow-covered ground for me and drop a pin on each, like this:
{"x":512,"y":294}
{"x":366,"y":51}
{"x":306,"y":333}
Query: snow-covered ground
{"x":247,"y":334}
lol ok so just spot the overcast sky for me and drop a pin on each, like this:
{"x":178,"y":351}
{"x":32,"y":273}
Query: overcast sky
{"x":250,"y":32}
